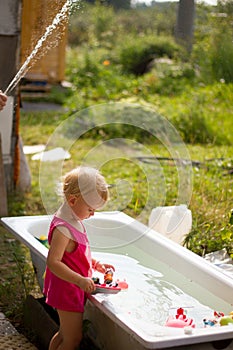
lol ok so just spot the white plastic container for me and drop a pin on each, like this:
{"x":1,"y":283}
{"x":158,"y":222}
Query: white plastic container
{"x":172,"y":221}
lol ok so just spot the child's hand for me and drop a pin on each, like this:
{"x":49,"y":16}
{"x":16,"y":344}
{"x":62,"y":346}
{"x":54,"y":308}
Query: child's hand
{"x":87,"y":284}
{"x":103,"y":267}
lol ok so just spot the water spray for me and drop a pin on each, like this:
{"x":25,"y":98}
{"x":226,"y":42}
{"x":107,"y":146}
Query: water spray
{"x":49,"y":30}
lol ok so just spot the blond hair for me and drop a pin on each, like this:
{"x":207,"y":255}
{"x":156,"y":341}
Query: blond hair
{"x":88,"y":183}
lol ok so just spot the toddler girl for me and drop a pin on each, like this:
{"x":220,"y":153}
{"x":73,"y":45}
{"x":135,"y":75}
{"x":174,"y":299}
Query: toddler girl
{"x":69,"y":263}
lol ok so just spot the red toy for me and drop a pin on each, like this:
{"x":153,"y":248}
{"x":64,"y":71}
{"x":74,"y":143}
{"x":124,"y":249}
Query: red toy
{"x":109,"y":287}
{"x":218,"y":314}
{"x":180,"y":320}
{"x":216,"y":320}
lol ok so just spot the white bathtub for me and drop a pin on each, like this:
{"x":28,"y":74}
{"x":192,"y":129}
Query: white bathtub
{"x":162,"y":276}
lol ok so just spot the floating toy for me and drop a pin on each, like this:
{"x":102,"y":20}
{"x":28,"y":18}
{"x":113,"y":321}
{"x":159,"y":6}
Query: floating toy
{"x":174,"y":322}
{"x":214,"y":321}
{"x":180,"y":320}
{"x":43,"y":239}
{"x":226,"y":320}
{"x":218,"y":314}
{"x":210,"y":323}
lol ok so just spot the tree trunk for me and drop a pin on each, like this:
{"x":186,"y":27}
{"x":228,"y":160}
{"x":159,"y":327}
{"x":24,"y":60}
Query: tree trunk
{"x":185,"y":23}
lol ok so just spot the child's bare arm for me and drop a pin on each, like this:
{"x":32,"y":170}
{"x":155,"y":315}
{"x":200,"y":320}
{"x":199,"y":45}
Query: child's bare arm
{"x":58,"y":246}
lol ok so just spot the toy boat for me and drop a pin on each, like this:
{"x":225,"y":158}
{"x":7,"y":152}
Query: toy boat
{"x":180,"y":320}
{"x":106,"y":288}
{"x":178,"y":323}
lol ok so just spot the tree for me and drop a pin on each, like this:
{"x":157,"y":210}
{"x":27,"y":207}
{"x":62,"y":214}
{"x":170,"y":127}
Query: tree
{"x":185,"y":23}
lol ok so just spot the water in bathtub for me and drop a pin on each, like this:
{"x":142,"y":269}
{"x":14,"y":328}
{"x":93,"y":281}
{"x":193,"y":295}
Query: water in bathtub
{"x":150,"y":297}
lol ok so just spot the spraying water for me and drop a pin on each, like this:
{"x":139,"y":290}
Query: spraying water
{"x":33,"y":56}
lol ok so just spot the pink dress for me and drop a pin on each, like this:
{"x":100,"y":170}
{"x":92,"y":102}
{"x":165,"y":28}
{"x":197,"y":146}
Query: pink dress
{"x":61,"y":294}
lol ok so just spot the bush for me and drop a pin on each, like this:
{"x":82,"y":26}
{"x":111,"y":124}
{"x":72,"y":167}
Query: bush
{"x":138,"y":52}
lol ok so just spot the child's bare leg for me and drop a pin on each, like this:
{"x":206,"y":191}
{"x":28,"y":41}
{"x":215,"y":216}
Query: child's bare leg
{"x":70,"y":330}
{"x":55,"y":341}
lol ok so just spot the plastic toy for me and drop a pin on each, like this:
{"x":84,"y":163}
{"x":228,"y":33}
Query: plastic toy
{"x":214,"y":321}
{"x":43,"y":239}
{"x":226,"y":320}
{"x":180,"y":320}
{"x":210,"y":323}
{"x":180,"y":314}
{"x":218,"y":314}
{"x":96,"y":280}
{"x":109,"y":286}
{"x":108,"y":276}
